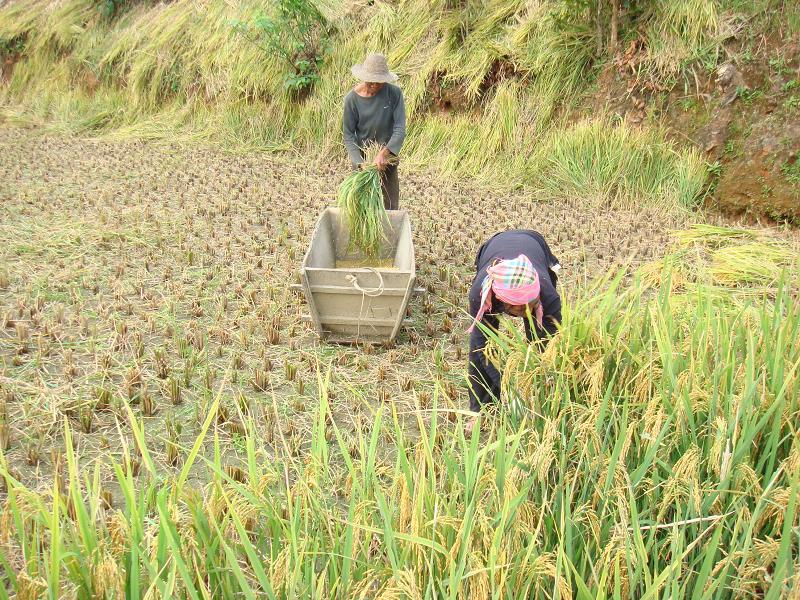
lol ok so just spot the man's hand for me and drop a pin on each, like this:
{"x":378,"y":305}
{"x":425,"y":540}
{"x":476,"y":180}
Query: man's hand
{"x":382,"y":159}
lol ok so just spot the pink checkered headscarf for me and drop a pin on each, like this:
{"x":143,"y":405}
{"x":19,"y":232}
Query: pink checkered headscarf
{"x":513,"y":281}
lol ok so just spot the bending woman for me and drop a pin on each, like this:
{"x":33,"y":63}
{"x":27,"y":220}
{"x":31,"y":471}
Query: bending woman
{"x":516,"y":275}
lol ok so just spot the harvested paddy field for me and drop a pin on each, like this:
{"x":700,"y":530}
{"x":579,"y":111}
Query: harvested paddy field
{"x":171,"y":427}
{"x":160,"y":275}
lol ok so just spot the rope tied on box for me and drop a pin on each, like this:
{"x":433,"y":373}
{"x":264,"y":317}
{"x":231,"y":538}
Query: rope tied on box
{"x":372,"y":293}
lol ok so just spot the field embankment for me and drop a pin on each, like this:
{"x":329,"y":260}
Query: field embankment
{"x":490,"y":87}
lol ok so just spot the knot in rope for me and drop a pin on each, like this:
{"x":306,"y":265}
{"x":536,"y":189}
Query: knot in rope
{"x":372,"y":293}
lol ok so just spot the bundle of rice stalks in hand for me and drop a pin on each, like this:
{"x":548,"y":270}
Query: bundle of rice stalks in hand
{"x":361,"y":201}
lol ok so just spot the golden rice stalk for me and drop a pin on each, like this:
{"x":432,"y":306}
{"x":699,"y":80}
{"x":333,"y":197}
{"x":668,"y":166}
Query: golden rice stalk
{"x":616,"y":553}
{"x":586,"y":514}
{"x":684,"y":483}
{"x":593,"y":378}
{"x":544,"y":567}
{"x":720,"y":448}
{"x":107,"y":580}
{"x":406,"y":504}
{"x":791,"y":463}
{"x":747,"y":481}
{"x":29,"y":588}
{"x":759,"y":559}
{"x":479,"y":587}
{"x":542,"y":448}
{"x":402,"y":586}
{"x":711,"y":236}
{"x":777,"y":502}
{"x":751,"y":263}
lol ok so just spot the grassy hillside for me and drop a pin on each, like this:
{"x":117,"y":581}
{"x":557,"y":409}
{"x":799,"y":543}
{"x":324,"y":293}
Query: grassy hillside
{"x":489,"y":85}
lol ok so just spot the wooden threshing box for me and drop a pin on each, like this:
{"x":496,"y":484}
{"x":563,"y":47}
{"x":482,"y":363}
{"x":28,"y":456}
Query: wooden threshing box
{"x":353,"y":299}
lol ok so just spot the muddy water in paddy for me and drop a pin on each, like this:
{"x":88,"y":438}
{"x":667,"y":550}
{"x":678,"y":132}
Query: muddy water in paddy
{"x":131,"y":265}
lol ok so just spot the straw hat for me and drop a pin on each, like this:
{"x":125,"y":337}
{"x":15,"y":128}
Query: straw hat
{"x":374,"y":69}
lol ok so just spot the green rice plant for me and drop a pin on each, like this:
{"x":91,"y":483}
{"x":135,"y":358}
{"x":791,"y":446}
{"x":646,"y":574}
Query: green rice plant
{"x":619,"y":166}
{"x":361,"y":203}
{"x":620,"y":354}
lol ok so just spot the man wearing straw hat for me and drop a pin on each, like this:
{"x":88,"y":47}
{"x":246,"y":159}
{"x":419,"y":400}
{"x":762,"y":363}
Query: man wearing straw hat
{"x":374,"y":112}
{"x":516,"y":275}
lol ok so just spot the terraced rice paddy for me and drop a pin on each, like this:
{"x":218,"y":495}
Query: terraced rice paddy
{"x":136,"y":271}
{"x":171,"y":427}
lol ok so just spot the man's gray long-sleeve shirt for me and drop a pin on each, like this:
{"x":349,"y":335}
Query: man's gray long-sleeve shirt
{"x":380,"y":119}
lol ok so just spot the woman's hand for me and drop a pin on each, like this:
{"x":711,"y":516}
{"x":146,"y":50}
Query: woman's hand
{"x":471,"y":424}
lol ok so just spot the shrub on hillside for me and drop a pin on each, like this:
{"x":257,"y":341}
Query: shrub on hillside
{"x":109,"y":8}
{"x":12,"y":46}
{"x":295,"y":33}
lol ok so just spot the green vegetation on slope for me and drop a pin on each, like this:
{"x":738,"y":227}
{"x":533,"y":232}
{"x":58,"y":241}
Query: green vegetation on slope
{"x":653,"y":451}
{"x":506,"y":73}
